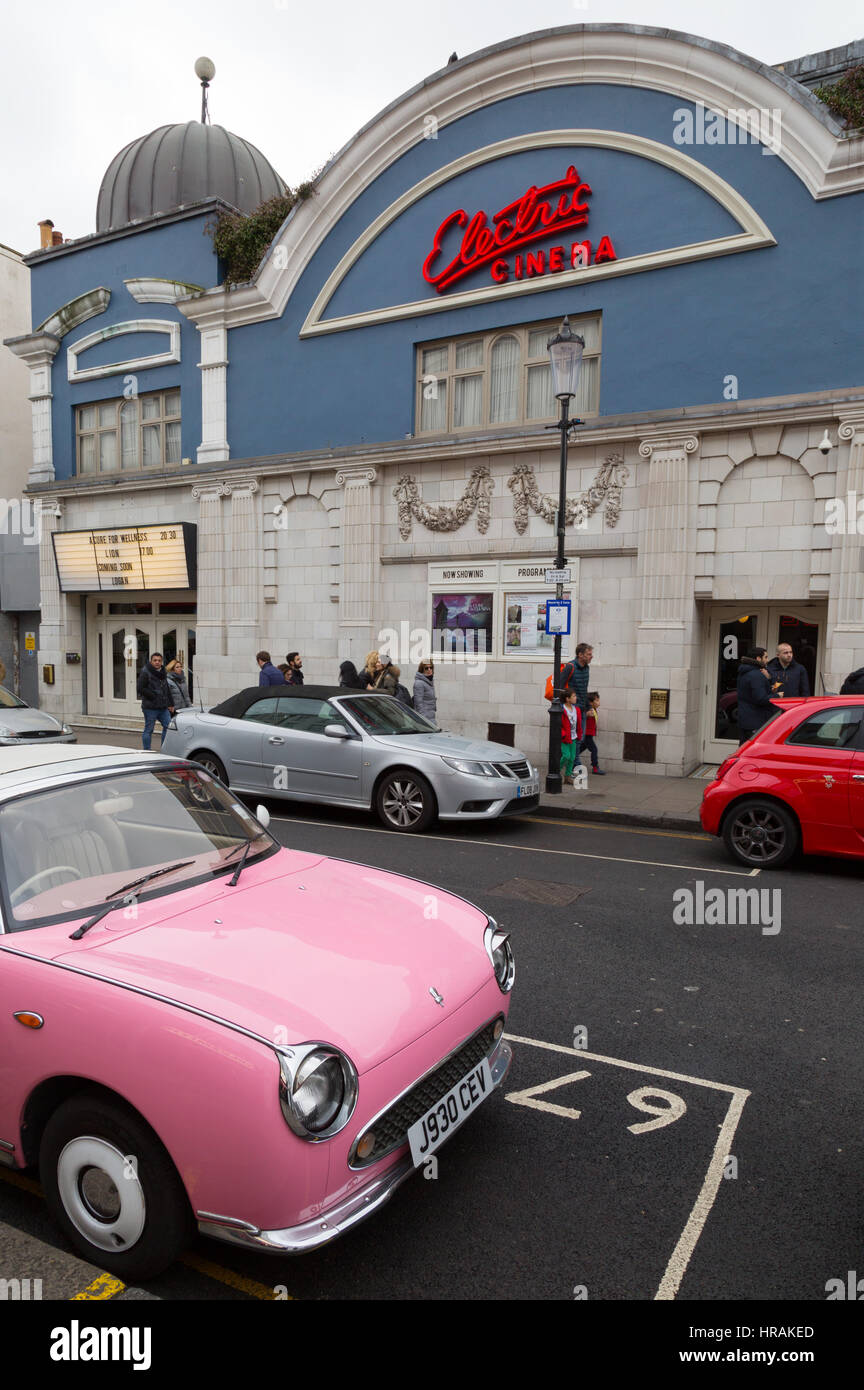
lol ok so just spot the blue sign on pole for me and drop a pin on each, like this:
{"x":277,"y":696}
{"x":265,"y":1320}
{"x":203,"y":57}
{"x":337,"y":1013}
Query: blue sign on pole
{"x":558,"y":617}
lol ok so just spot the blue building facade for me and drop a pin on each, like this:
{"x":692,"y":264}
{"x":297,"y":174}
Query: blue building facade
{"x":359,"y":436}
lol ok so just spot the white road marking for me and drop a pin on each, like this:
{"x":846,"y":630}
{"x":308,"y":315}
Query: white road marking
{"x":676,"y":1267}
{"x":526,"y":1097}
{"x":523,"y":849}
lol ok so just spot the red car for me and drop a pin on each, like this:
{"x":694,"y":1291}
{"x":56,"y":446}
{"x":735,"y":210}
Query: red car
{"x":798,"y":783}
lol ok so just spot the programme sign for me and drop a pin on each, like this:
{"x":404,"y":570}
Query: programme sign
{"x":161,"y":556}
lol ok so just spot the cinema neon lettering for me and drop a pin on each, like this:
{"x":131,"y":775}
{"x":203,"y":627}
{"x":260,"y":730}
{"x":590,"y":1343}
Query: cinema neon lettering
{"x":540,"y":214}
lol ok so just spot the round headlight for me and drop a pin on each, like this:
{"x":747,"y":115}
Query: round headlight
{"x":500,"y":953}
{"x":317,"y":1089}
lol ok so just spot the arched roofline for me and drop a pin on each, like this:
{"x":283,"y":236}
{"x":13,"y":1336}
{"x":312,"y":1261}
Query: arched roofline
{"x":694,"y":69}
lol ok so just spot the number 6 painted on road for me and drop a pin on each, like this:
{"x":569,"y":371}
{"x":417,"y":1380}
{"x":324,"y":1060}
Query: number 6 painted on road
{"x":672,"y":1109}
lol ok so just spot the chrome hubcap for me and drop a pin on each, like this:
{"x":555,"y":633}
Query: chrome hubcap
{"x":403,"y":803}
{"x":101,"y":1193}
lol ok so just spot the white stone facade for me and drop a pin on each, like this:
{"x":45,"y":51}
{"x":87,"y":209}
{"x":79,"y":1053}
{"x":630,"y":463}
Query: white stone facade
{"x":311,"y":556}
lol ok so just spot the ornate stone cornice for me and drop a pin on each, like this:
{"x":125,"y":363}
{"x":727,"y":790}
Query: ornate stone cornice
{"x":210,"y":492}
{"x":36,"y":349}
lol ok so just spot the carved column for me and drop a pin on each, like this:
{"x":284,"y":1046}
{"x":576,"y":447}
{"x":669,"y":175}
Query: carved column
{"x":38,"y":350}
{"x":846,"y":608}
{"x":52,"y":622}
{"x":214,"y":395}
{"x":356,"y":599}
{"x":245,"y":572}
{"x":665,"y":557}
{"x":667,"y":646}
{"x":211,"y":572}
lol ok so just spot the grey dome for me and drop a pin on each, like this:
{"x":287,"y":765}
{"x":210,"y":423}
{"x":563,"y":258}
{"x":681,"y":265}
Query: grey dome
{"x":180,"y":164}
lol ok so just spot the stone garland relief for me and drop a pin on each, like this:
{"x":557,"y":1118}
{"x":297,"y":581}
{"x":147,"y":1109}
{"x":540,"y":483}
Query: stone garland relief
{"x":605,"y":489}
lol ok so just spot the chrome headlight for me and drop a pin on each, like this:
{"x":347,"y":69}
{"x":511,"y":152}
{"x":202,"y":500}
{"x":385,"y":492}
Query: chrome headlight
{"x":317,"y":1089}
{"x":473,"y":769}
{"x":500,"y":953}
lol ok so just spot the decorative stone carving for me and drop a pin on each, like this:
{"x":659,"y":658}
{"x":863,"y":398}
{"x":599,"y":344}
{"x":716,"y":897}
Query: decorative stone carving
{"x":606,"y":488}
{"x":475,"y":497}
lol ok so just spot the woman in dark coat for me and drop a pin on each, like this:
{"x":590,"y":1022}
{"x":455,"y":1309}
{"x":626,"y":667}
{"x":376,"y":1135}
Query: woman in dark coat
{"x":348,"y":677}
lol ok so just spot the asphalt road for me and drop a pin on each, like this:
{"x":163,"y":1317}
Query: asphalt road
{"x":702,"y":1140}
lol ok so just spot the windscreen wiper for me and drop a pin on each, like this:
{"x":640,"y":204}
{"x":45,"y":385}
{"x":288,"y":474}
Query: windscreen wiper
{"x":131,"y":891}
{"x":155,"y":873}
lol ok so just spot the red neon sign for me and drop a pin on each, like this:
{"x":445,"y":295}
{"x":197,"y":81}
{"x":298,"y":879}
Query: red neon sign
{"x":539,"y":213}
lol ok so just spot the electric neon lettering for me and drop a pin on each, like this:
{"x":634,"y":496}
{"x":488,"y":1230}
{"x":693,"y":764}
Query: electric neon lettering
{"x":540,"y":213}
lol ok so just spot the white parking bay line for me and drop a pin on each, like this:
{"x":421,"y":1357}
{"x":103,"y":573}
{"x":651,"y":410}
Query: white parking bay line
{"x":678,"y":1261}
{"x":523,"y":849}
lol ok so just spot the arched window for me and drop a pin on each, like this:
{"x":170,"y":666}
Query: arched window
{"x":504,"y":383}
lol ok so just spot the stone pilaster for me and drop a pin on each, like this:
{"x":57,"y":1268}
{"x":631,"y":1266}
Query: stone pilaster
{"x":846,"y":605}
{"x":667,"y":650}
{"x":211,"y":572}
{"x":38,"y":350}
{"x":214,"y":396}
{"x":356,"y":590}
{"x":52,"y":622}
{"x":244,"y":589}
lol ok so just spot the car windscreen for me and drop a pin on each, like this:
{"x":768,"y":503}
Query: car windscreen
{"x":10,"y":701}
{"x":381,"y":714}
{"x":67,"y":850}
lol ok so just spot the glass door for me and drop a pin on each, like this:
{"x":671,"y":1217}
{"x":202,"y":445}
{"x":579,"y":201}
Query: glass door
{"x":732,"y":634}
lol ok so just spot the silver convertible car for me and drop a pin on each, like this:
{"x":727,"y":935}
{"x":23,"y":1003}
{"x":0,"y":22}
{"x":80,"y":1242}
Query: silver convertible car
{"x":344,"y":748}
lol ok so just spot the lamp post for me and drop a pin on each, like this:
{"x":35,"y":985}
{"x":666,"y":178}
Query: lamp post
{"x":565,"y":357}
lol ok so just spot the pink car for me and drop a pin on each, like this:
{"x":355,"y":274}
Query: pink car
{"x":199,"y":1026}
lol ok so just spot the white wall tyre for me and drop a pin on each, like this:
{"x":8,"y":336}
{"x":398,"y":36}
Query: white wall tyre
{"x":112,"y":1188}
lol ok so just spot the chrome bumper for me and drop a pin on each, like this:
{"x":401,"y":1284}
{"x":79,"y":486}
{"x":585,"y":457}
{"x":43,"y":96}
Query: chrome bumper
{"x":311,"y":1235}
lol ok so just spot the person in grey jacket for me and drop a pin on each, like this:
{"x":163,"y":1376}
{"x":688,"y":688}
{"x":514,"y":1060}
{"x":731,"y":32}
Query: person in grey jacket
{"x":177,"y":685}
{"x":425,"y":701}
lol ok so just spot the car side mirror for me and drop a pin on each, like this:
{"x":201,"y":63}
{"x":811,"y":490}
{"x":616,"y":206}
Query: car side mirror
{"x":337,"y":731}
{"x":263,"y":815}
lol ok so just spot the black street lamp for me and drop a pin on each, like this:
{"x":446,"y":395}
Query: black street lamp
{"x":565,"y":356}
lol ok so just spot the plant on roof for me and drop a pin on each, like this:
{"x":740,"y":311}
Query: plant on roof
{"x":241,"y":241}
{"x":845,"y":98}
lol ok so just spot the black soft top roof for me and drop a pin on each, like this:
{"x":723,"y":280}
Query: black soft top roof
{"x":236,"y":705}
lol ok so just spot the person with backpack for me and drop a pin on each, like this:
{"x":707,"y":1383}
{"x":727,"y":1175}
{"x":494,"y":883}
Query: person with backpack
{"x":401,"y":692}
{"x":577,"y":675}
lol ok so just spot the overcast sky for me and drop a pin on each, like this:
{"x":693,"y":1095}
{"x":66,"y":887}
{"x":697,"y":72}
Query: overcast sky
{"x":78,"y":82}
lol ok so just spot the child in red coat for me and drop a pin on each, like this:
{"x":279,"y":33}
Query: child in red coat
{"x":571,"y":736}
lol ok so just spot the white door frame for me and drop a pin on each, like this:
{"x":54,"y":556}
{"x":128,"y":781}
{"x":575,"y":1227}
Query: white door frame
{"x":154,"y":623}
{"x":767,"y":614}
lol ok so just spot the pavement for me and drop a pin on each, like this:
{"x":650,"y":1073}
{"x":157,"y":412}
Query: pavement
{"x":619,"y":798}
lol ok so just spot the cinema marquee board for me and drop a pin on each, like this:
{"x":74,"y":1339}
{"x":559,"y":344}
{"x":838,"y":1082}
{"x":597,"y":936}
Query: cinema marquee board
{"x":158,"y":556}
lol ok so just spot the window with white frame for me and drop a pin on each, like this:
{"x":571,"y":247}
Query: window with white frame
{"x":126,"y":435}
{"x":501,"y":378}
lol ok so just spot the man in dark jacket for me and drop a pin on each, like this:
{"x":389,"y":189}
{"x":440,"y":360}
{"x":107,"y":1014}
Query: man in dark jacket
{"x":789,"y":672}
{"x":754,"y":694}
{"x":155,"y":697}
{"x":294,"y":674}
{"x":854,"y":683}
{"x":577,"y":676}
{"x":269,"y":674}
